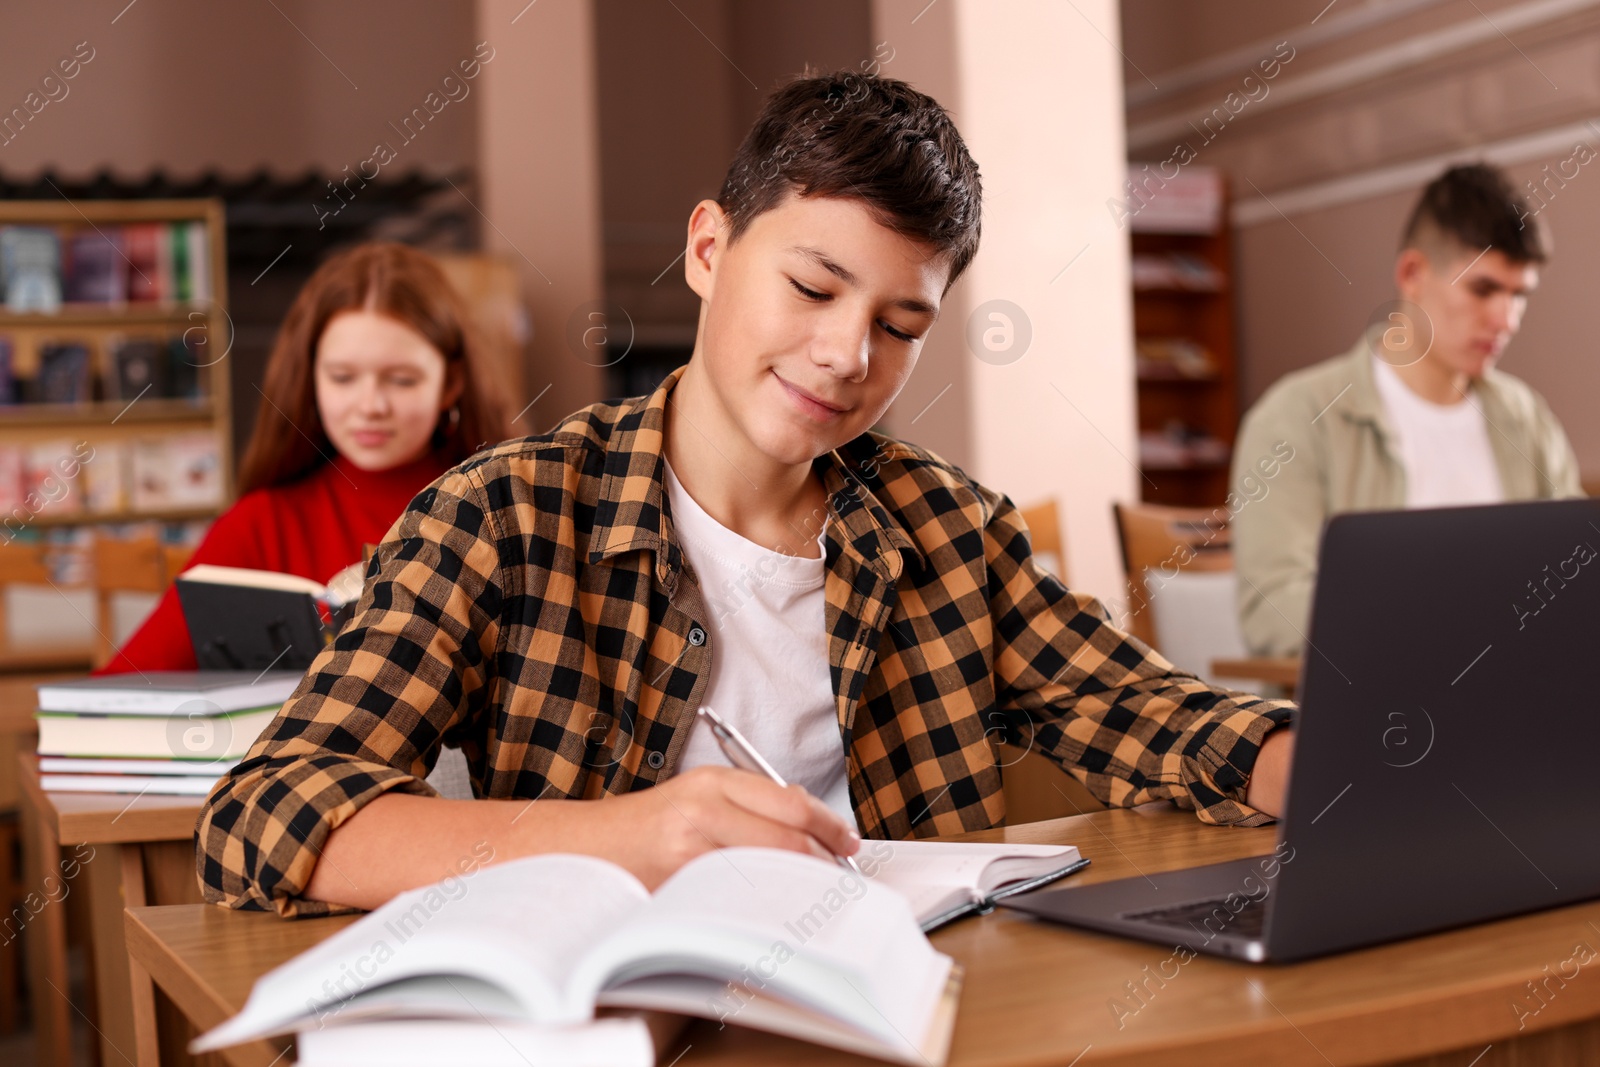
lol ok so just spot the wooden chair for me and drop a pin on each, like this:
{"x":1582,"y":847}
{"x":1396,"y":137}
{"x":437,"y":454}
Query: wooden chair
{"x":133,"y":565}
{"x":1036,"y":788}
{"x":1168,"y":540}
{"x":24,"y":564}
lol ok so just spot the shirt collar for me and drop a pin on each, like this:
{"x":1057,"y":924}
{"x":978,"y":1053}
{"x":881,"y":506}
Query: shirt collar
{"x":1366,"y":404}
{"x":865,"y":525}
{"x":630,"y":513}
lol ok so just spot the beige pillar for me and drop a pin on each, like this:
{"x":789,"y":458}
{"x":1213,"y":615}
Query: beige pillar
{"x":539,"y":183}
{"x":1036,"y":90}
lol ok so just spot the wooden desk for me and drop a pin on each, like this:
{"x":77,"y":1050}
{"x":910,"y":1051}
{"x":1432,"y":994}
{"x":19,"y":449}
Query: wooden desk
{"x":121,"y":850}
{"x":1279,"y":670}
{"x":1039,"y":994}
{"x":18,"y":698}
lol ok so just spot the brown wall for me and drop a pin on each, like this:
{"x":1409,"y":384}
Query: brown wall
{"x":678,"y":88}
{"x":189,"y":85}
{"x":1306,"y":283}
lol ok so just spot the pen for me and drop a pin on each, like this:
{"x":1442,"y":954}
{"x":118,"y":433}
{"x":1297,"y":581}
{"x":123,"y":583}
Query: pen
{"x":743,"y":755}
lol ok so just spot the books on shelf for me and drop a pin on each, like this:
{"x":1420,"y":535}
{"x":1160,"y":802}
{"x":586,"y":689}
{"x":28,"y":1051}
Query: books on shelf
{"x":241,"y":618}
{"x":68,"y":557}
{"x":30,"y":268}
{"x":1175,"y":270}
{"x":138,"y":367}
{"x":751,"y":937}
{"x":105,"y":479}
{"x":1189,"y":202}
{"x":112,"y":367}
{"x":9,"y":393}
{"x":50,"y":472}
{"x":61,"y":477}
{"x":195,"y":469}
{"x":1179,"y":447}
{"x":96,"y":271}
{"x":1173,"y":358}
{"x":185,"y":262}
{"x":172,"y":732}
{"x":175,"y":471}
{"x":183,"y":366}
{"x":64,"y":373}
{"x":142,"y":244}
{"x":12,"y":495}
{"x":109,"y":265}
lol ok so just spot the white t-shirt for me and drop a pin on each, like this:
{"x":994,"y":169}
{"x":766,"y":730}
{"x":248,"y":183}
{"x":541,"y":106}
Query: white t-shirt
{"x":769,"y":654}
{"x":1445,"y":447}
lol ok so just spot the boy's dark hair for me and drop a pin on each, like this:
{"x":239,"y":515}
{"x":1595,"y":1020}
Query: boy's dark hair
{"x":853,"y":134}
{"x":1475,"y":206}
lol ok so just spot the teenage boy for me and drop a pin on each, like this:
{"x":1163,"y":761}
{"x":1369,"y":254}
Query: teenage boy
{"x":1415,"y":415}
{"x":871,"y":618}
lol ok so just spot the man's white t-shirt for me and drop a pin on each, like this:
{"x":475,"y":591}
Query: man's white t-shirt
{"x":1445,"y":447}
{"x":769,"y":654}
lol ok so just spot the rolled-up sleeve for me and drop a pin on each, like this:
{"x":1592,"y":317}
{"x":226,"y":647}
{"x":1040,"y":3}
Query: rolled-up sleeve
{"x":414,"y":661}
{"x":1108,"y":708}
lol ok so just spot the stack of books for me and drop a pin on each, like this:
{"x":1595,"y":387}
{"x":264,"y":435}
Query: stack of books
{"x":173,"y":732}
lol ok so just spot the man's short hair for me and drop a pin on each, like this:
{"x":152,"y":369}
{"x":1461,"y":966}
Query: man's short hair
{"x":873,"y":139}
{"x":1474,"y":206}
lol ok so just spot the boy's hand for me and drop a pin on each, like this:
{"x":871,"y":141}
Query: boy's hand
{"x":658,"y":830}
{"x":1269,"y":781}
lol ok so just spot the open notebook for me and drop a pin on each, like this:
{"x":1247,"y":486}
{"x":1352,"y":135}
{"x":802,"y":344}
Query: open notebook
{"x":946,"y":880}
{"x":752,"y":937}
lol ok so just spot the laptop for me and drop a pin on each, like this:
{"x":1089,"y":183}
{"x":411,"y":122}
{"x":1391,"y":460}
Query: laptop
{"x":1443,"y":769}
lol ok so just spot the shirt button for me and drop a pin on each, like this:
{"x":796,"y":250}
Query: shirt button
{"x":656,"y":760}
{"x":697,"y":637}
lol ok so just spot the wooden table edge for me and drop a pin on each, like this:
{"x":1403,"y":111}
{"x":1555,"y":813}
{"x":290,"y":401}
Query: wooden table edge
{"x":1429,"y":1022}
{"x":192,"y":998}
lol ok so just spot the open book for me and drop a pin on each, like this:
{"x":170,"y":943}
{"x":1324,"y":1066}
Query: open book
{"x":245,"y":619}
{"x":756,"y":937}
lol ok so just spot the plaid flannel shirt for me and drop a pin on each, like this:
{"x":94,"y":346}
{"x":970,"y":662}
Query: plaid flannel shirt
{"x":533,"y":608}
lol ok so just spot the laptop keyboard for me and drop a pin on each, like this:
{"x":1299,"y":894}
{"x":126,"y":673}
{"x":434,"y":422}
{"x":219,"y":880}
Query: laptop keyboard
{"x":1201,"y":916}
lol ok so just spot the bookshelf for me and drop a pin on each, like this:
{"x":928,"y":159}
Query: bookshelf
{"x":115,"y":415}
{"x":1187,"y":383}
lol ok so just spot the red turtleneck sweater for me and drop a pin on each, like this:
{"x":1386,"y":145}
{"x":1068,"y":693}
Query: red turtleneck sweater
{"x":313,"y":527}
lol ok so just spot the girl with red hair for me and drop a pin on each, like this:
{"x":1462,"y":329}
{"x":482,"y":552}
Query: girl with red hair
{"x":375,"y":387}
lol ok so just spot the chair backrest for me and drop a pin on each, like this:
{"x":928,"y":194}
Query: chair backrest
{"x":1195,"y":615}
{"x":29,"y":642}
{"x":130,"y":565}
{"x":1160,"y":542}
{"x":23,"y":563}
{"x":1044,"y":528}
{"x":1036,"y":788}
